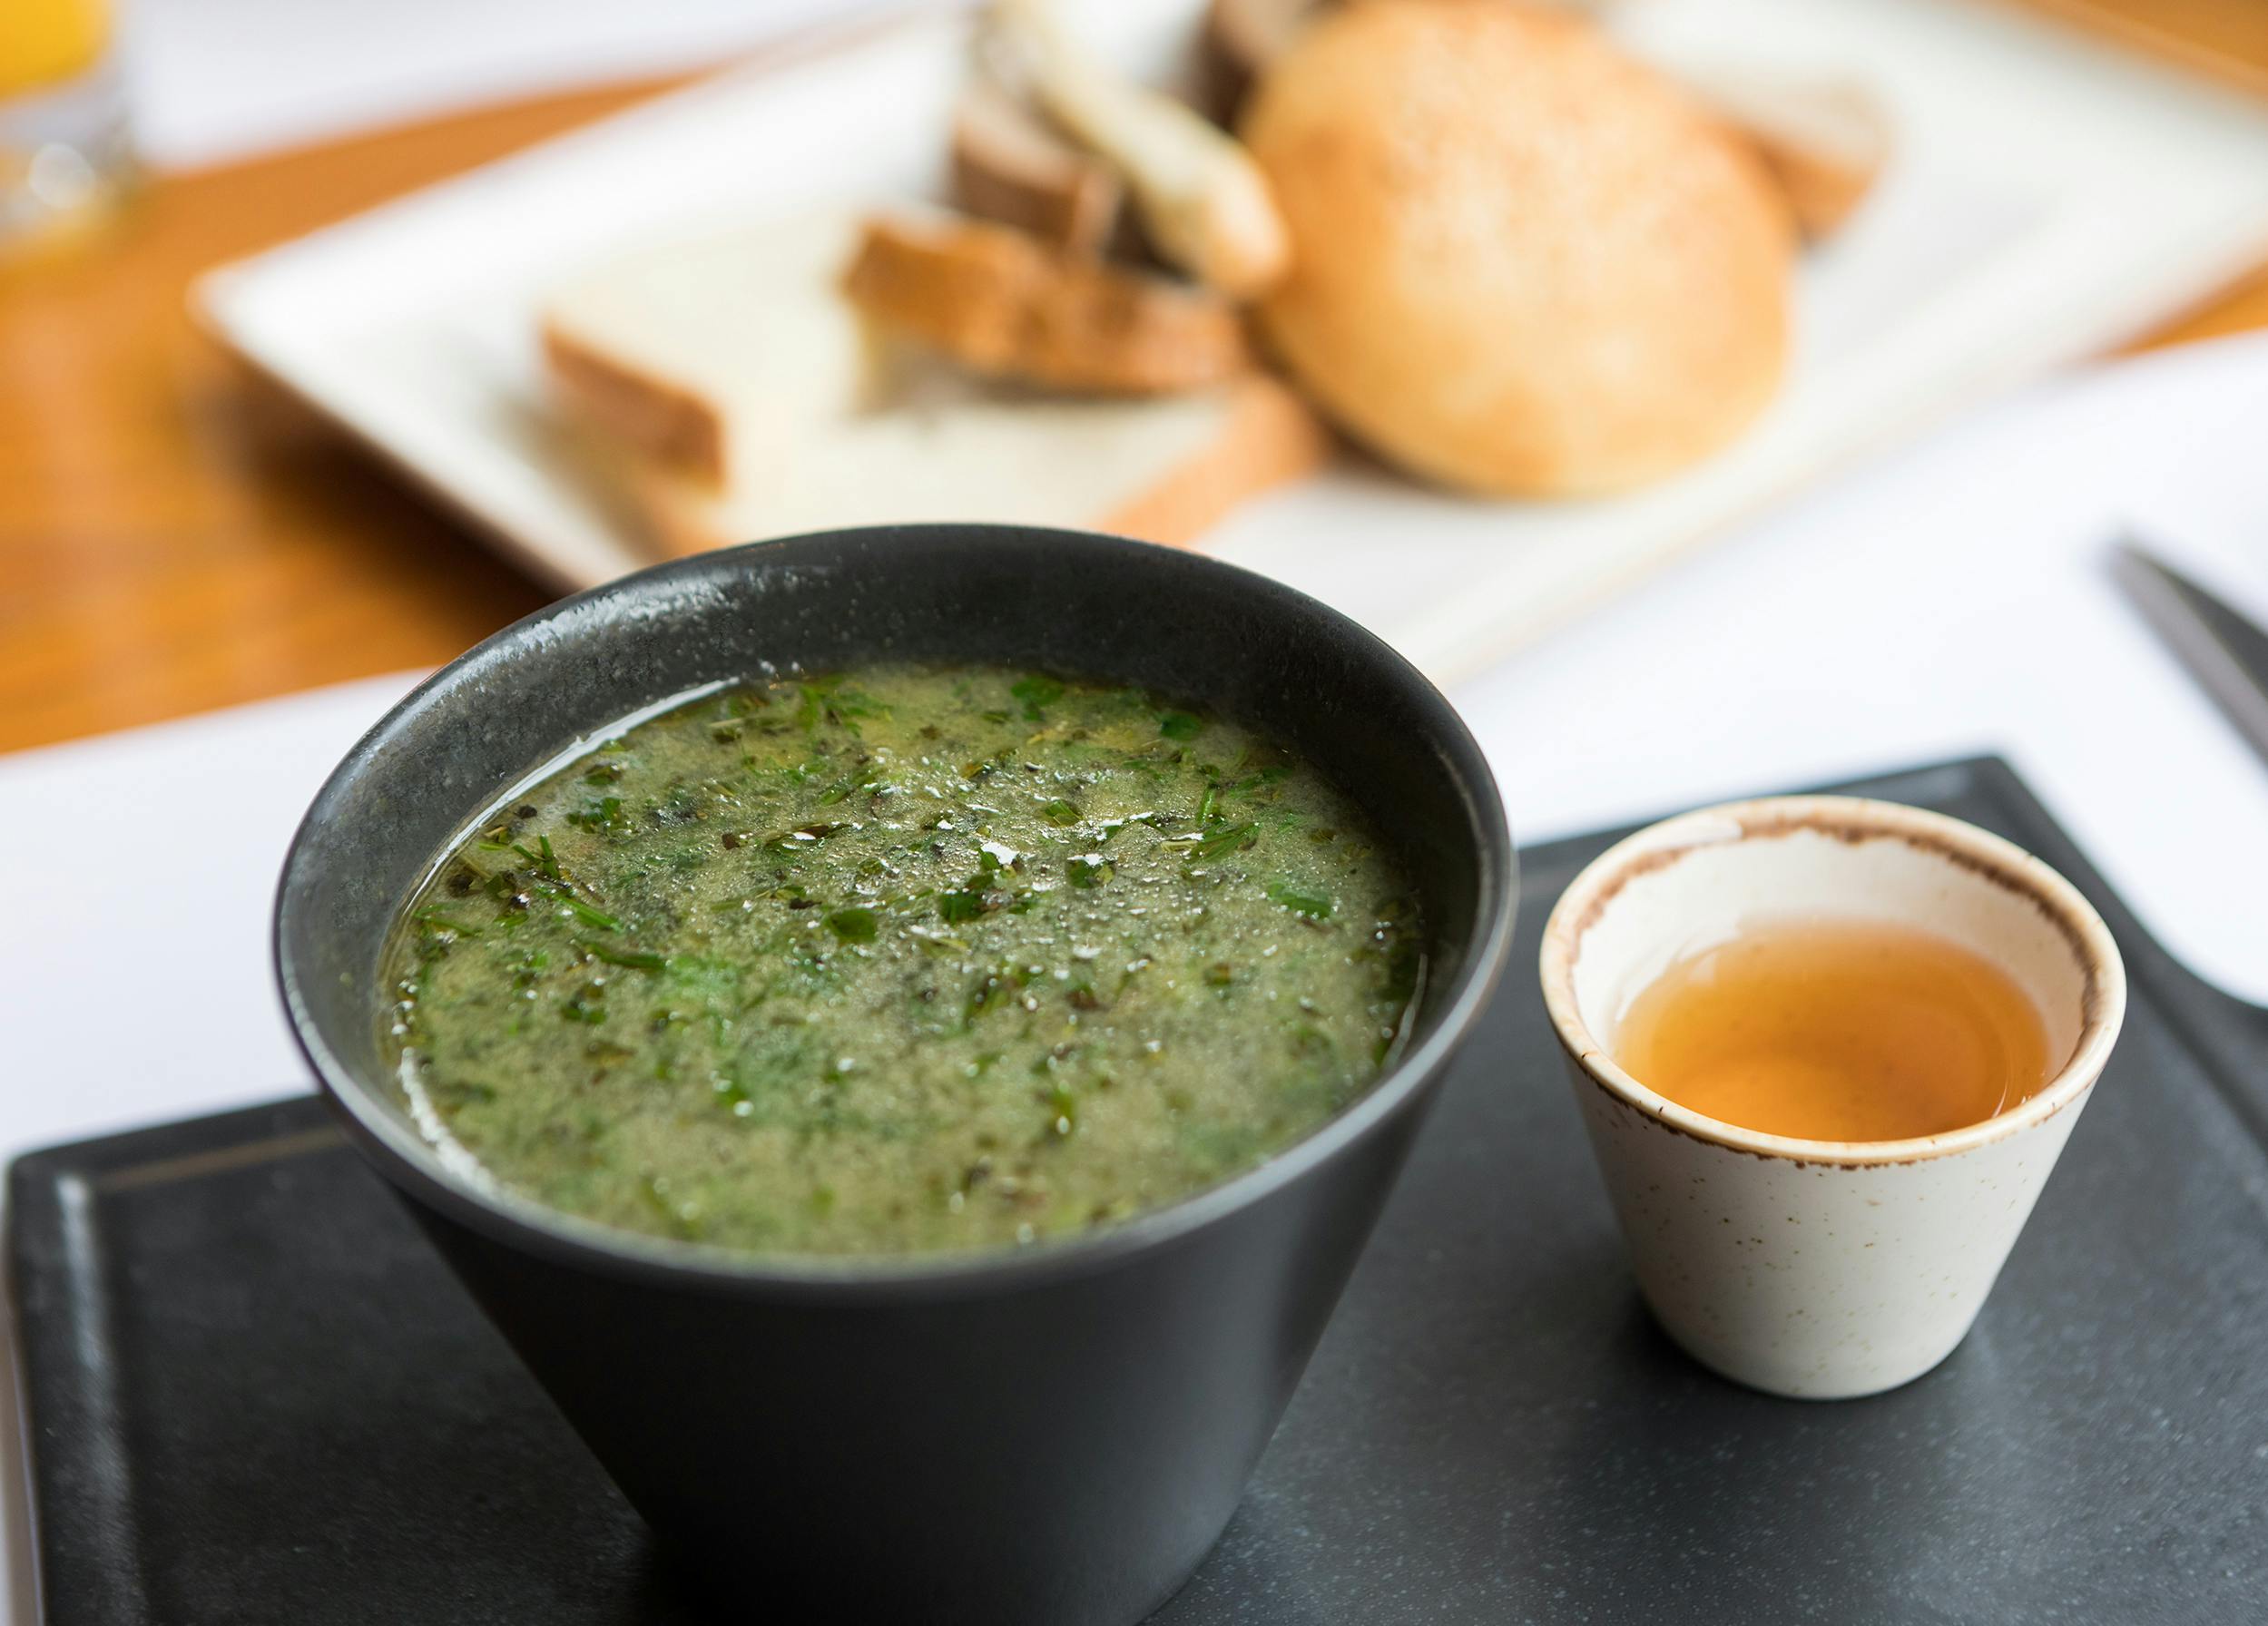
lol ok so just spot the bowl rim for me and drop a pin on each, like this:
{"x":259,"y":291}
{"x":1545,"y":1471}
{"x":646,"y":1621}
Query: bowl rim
{"x":413,"y":1166}
{"x":1952,"y":840}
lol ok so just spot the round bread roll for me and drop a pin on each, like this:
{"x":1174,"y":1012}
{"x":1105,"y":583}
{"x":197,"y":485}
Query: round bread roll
{"x":1523,"y":263}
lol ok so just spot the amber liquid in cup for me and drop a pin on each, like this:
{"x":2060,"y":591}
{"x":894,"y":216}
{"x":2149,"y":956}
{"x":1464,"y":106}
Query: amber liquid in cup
{"x":1837,"y":1031}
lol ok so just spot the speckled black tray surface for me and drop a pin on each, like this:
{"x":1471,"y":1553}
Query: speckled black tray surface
{"x":254,"y":1397}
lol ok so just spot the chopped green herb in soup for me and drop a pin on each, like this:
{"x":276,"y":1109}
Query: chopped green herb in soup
{"x":901,"y":959}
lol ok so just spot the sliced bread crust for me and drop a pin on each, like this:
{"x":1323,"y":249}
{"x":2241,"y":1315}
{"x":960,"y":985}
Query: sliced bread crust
{"x":677,"y":427}
{"x":707,"y":353}
{"x":1005,"y":305}
{"x":1825,"y":142}
{"x":1008,"y":166}
{"x":1269,"y":436}
{"x":1200,"y":455}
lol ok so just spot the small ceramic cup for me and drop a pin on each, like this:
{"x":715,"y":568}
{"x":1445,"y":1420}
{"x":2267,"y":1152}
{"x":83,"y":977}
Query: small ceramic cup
{"x":1821,"y":1269}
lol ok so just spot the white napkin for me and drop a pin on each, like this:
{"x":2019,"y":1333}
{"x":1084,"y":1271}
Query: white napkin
{"x":139,"y":868}
{"x":2206,"y":510}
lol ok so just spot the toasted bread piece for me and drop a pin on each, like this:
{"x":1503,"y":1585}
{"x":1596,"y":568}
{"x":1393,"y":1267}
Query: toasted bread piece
{"x":1205,"y":206}
{"x":1268,"y":436}
{"x":1008,"y":166}
{"x":1162,"y":470}
{"x":704,"y":355}
{"x":676,"y":426}
{"x":1824,"y":141}
{"x":1241,"y":37}
{"x":1005,"y":305}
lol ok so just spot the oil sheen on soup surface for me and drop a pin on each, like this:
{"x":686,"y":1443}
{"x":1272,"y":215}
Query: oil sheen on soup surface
{"x":901,"y":959}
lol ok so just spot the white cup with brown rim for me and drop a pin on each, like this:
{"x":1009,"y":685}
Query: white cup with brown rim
{"x":1821,"y":1269}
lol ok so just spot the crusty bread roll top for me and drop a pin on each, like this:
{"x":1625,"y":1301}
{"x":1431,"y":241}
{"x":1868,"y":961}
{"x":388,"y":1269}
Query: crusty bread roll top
{"x":1523,"y":263}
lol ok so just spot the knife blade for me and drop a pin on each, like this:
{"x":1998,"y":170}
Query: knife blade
{"x":2221,"y":647}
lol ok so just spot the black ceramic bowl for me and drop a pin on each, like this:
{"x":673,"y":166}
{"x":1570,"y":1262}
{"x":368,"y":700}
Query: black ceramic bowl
{"x":1054,"y":1435}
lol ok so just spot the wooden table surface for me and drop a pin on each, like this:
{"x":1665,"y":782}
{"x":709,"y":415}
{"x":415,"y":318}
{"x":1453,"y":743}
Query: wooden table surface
{"x":175,"y":535}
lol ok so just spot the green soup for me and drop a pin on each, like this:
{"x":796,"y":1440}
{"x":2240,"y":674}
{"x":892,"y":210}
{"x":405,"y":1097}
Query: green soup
{"x":898,"y":960}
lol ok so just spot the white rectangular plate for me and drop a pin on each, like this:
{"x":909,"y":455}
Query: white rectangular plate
{"x":2048,"y":197}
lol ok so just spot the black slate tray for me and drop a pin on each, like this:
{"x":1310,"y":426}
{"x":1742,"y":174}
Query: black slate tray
{"x":254,"y":1397}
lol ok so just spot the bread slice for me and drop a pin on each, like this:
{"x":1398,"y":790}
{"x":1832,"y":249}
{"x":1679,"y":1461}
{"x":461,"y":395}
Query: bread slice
{"x":1825,"y":142}
{"x":1009,"y":166}
{"x":1204,"y":204}
{"x":1241,"y":37}
{"x":725,"y":389}
{"x":1162,"y":470}
{"x":707,"y":356}
{"x":1005,"y":305}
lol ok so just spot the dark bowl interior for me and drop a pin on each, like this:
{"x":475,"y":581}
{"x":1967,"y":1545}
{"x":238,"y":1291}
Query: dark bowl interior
{"x":1180,"y":623}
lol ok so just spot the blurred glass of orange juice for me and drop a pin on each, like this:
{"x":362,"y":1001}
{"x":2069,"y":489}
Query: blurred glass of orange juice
{"x":66,"y":155}
{"x":45,"y":42}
